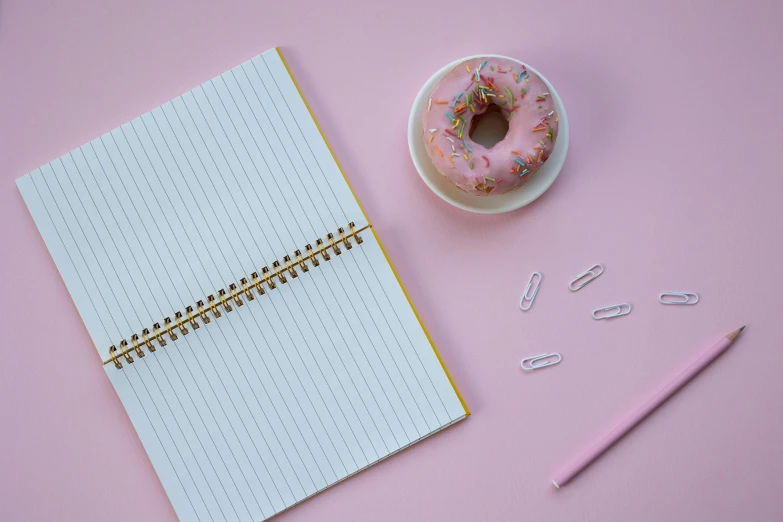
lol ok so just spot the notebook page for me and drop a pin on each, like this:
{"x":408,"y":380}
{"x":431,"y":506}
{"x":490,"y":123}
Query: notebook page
{"x":291,"y":392}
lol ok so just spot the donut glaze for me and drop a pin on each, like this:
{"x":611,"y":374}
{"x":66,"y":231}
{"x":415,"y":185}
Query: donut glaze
{"x":468,"y":91}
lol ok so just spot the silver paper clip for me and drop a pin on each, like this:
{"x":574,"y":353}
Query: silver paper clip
{"x":593,"y":272}
{"x":682,"y":298}
{"x":531,"y":361}
{"x":617,"y":311}
{"x":528,"y":299}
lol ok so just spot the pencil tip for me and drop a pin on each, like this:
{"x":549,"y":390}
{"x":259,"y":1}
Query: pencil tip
{"x":733,"y":335}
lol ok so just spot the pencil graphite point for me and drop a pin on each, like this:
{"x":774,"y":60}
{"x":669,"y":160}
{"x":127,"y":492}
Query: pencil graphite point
{"x":743,"y":328}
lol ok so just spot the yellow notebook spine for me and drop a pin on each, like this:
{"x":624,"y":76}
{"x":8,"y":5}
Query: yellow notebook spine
{"x":233,"y":296}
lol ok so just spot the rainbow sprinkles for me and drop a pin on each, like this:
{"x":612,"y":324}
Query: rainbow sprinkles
{"x":462,"y":98}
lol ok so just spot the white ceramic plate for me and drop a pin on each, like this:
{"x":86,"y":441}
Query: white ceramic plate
{"x":441,"y":186}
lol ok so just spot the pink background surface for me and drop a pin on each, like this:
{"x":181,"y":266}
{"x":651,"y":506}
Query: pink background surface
{"x":673,"y":181}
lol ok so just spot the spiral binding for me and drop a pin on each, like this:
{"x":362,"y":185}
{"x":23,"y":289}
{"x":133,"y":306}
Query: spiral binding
{"x":227,"y":299}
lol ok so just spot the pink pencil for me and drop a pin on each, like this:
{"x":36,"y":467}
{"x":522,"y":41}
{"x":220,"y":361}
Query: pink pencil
{"x":648,"y":407}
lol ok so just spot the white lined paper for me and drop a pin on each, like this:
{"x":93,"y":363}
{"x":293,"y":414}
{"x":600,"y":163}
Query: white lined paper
{"x":291,"y":392}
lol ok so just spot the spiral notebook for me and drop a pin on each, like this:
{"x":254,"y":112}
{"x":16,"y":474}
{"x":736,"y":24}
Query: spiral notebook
{"x":243,"y":307}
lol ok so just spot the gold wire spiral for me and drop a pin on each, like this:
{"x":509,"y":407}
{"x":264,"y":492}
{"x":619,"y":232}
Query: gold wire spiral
{"x":201,"y":310}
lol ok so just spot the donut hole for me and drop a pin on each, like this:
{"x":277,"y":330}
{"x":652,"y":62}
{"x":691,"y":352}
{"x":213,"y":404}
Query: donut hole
{"x":489,"y":128}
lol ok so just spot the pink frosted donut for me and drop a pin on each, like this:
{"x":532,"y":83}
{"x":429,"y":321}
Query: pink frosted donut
{"x":468,"y":92}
